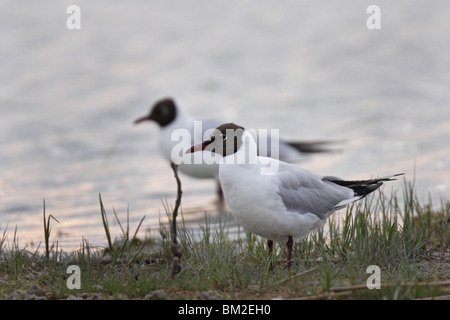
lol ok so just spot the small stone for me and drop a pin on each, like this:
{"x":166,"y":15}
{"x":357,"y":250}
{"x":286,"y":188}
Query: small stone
{"x":160,"y":294}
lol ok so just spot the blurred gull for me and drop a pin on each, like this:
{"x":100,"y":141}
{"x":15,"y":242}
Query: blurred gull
{"x":174,"y":121}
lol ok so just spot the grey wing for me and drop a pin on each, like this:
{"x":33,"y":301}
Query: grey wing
{"x":289,"y":151}
{"x":282,"y":150}
{"x":303,"y":191}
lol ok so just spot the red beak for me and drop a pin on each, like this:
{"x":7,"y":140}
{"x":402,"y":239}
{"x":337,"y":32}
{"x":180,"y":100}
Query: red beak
{"x":197,"y":147}
{"x":142,"y":119}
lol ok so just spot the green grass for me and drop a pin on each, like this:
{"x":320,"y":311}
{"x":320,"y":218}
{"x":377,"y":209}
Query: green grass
{"x":408,"y":241}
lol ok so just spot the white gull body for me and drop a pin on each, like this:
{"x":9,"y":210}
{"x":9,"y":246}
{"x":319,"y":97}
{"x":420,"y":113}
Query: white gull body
{"x":274,"y":199}
{"x":260,"y":202}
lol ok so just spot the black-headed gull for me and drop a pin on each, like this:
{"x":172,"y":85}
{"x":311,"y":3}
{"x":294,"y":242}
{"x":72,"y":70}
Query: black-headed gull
{"x":276,"y":200}
{"x":171,"y":117}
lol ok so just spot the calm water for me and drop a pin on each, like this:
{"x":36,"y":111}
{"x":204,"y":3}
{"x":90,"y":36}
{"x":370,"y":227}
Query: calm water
{"x":68,"y":98}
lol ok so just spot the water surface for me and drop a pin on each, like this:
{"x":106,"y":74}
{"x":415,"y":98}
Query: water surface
{"x":313,"y":70}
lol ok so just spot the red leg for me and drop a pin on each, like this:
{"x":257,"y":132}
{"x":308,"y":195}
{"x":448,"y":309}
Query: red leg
{"x":220,"y":192}
{"x":270,"y":244}
{"x":289,"y":245}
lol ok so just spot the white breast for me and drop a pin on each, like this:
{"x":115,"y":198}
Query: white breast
{"x":178,"y":137}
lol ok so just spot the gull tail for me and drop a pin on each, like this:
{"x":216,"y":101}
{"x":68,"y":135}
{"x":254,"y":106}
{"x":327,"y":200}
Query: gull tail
{"x":361,"y":188}
{"x":313,"y":146}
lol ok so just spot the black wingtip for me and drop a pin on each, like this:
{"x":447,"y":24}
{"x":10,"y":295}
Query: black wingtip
{"x":315,"y":146}
{"x":390,"y":178}
{"x":363,"y":187}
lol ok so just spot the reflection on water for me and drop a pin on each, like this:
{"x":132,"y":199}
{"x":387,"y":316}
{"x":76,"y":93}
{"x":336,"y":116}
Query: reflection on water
{"x":314,"y":71}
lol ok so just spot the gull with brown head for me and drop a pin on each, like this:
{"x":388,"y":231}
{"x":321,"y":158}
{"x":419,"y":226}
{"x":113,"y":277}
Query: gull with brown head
{"x":282,"y":205}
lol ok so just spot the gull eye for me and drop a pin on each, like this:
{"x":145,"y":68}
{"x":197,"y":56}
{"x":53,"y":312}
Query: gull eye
{"x":212,"y":138}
